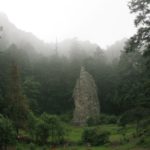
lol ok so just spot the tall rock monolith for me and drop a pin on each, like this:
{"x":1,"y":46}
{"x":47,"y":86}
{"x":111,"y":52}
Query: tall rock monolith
{"x":85,"y":99}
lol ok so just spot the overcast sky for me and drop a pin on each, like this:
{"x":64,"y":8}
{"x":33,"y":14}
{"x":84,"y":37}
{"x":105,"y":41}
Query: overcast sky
{"x":99,"y":21}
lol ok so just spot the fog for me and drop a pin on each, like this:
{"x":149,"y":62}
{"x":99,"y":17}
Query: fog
{"x":100,"y":21}
{"x":74,"y":74}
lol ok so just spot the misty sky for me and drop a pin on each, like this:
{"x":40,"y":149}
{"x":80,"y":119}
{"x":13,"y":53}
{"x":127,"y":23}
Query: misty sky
{"x":100,"y":21}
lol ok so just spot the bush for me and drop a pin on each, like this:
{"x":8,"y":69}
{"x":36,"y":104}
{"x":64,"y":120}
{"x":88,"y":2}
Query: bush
{"x":67,"y":118}
{"x":93,"y":121}
{"x":136,"y":115}
{"x":32,"y":123}
{"x":56,"y":127}
{"x":32,"y":146}
{"x":19,"y":147}
{"x":50,"y":126}
{"x":44,"y":148}
{"x":95,"y":136}
{"x":7,"y":133}
{"x":107,"y":119}
{"x":42,"y":132}
{"x":102,"y":119}
{"x":144,"y":127}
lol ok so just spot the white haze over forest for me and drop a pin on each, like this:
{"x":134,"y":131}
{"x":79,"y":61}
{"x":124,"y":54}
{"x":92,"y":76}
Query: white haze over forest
{"x":100,"y":21}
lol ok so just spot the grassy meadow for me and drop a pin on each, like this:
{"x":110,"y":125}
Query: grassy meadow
{"x":117,"y":140}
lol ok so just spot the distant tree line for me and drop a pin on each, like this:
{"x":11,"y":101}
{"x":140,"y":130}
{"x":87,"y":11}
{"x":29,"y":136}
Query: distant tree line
{"x":34,"y":83}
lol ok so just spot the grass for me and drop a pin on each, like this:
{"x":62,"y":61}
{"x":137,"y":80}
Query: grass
{"x":74,"y":134}
{"x":85,"y":148}
{"x":116,"y":140}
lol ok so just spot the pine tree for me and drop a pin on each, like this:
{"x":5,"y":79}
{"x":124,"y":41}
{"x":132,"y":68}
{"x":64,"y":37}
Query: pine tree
{"x":17,"y":102}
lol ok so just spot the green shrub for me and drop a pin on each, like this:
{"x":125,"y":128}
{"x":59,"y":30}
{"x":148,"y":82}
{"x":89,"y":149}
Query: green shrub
{"x":19,"y":147}
{"x":93,"y":121}
{"x":50,"y":126}
{"x":44,"y":148}
{"x":32,"y":123}
{"x":139,"y":116}
{"x":140,"y":141}
{"x":56,"y":127}
{"x":42,"y":132}
{"x":67,"y":118}
{"x":144,"y":127}
{"x":101,"y":119}
{"x":95,"y":136}
{"x":32,"y":146}
{"x":7,"y":133}
{"x":107,"y":119}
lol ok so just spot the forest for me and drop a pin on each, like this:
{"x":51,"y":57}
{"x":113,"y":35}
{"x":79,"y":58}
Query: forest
{"x":37,"y":81}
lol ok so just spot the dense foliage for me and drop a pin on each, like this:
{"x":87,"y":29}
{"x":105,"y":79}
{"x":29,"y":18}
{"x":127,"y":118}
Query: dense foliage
{"x":32,"y":83}
{"x":7,"y":134}
{"x":95,"y":136}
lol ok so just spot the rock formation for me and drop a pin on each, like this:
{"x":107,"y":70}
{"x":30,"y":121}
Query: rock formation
{"x":85,"y":98}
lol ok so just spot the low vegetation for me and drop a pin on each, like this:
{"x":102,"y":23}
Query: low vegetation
{"x":36,"y":103}
{"x":102,"y":137}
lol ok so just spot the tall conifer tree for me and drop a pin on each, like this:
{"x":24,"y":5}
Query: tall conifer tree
{"x":17,"y":102}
